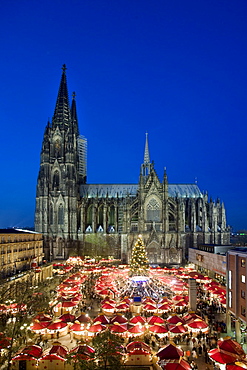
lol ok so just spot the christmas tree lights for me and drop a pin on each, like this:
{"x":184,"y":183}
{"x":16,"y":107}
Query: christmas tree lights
{"x":139,"y":262}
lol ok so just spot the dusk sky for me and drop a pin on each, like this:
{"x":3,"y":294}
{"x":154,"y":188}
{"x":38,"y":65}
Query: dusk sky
{"x":175,"y":69}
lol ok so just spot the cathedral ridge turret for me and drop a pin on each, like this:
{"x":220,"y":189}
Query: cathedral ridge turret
{"x":146,"y":165}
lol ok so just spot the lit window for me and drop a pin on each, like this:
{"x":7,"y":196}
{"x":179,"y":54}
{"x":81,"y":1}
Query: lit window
{"x":230,"y":279}
{"x":242,"y":262}
{"x":230,"y":299}
{"x":243,"y":278}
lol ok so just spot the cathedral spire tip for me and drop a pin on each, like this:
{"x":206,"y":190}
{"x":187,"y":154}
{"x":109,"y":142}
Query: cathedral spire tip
{"x":62,"y":111}
{"x":146,"y":152}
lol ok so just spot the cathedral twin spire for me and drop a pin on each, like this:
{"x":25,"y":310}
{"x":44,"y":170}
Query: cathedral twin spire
{"x":62,"y":110}
{"x":63,"y":115}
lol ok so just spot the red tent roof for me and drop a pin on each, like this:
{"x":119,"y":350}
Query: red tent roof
{"x":221,"y":356}
{"x":102,"y":319}
{"x":118,"y":328}
{"x":175,"y":319}
{"x":77,"y":327}
{"x":177,"y":328}
{"x":122,"y":306}
{"x":164,"y":306}
{"x":84,"y":318}
{"x":96,"y":328}
{"x":107,"y":306}
{"x":135,"y":329}
{"x":40,"y":325}
{"x":178,"y":297}
{"x":33,"y":351}
{"x":231,"y":346}
{"x":180,"y":303}
{"x":56,"y":325}
{"x":198,"y":324}
{"x":23,"y":357}
{"x":170,"y":352}
{"x":155,"y":320}
{"x":191,"y":317}
{"x":159,"y":329}
{"x":137,"y":319}
{"x":150,"y":307}
{"x":83,"y":352}
{"x":119,"y":318}
{"x":67,"y":317}
{"x":69,"y":303}
{"x":83,"y":349}
{"x":59,"y":350}
{"x":52,"y":357}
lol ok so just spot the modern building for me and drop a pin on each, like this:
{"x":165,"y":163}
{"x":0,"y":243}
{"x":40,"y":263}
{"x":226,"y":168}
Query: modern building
{"x":77,"y":217}
{"x":211,"y":260}
{"x":237,"y":293}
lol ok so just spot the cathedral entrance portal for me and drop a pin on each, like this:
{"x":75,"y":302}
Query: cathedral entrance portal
{"x":153,"y":252}
{"x":174,"y":256}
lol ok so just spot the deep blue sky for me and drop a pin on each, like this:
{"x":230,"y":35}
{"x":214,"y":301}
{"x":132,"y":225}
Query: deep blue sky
{"x":176,"y":69}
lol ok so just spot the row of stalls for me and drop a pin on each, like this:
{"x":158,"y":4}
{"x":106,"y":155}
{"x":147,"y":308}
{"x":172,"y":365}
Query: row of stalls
{"x":83,"y":327}
{"x":158,"y":313}
{"x":229,"y":355}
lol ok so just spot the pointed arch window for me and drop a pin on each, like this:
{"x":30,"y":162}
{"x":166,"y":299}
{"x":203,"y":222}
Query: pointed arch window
{"x":101,"y":215}
{"x":55,"y":181}
{"x":51,"y":215}
{"x":112,"y":216}
{"x":153,"y":211}
{"x":90,"y":215}
{"x":60,"y":215}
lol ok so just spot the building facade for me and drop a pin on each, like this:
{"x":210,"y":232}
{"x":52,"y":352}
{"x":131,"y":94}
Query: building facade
{"x":237,"y":293}
{"x":77,"y":217}
{"x":19,"y":250}
{"x":210,"y":260}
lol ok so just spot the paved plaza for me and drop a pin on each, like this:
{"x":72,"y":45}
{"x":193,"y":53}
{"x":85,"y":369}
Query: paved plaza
{"x":92,"y":306}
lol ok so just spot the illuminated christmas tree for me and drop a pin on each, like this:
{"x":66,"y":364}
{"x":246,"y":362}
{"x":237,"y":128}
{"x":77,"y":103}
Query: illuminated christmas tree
{"x":139,"y":261}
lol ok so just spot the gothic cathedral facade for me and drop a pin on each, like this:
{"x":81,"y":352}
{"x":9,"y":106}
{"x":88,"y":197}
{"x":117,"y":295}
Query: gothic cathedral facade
{"x":78,"y":218}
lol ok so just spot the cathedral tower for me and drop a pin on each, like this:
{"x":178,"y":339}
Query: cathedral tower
{"x":62,"y":170}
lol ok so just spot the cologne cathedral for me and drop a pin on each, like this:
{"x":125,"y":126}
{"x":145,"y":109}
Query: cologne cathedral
{"x":102,"y":220}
